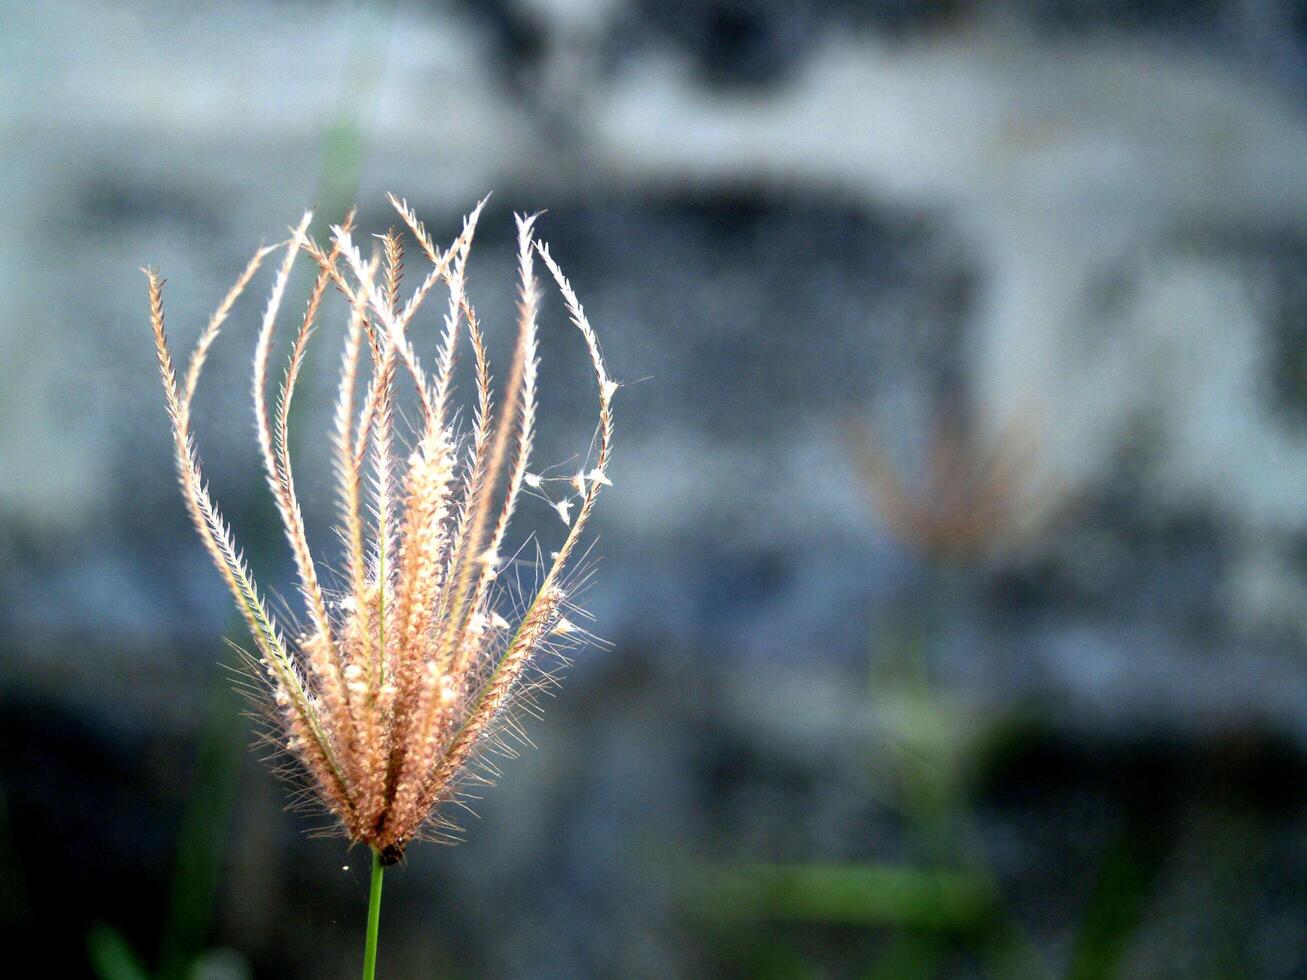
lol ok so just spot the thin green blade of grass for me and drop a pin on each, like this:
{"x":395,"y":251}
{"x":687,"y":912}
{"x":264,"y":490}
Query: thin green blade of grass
{"x":112,"y":956}
{"x":1129,"y":870}
{"x":203,"y":836}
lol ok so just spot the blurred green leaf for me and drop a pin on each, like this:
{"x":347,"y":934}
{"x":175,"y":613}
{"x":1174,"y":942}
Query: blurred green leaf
{"x":203,"y":835}
{"x":112,"y":956}
{"x":1125,"y":880}
{"x":849,"y":894}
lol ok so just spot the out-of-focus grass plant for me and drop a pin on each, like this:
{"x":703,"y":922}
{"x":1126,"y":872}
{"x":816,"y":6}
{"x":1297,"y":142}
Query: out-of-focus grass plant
{"x":971,"y":500}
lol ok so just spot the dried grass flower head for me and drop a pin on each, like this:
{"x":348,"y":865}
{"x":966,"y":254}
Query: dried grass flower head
{"x":977,"y":497}
{"x":399,"y":677}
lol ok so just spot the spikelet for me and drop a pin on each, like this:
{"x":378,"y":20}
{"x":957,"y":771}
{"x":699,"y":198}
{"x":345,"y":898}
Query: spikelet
{"x":395,"y":685}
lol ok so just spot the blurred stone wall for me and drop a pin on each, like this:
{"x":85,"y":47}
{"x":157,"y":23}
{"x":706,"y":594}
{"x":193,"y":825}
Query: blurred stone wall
{"x":1086,"y":217}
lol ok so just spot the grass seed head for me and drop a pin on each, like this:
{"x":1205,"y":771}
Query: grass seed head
{"x":399,"y":680}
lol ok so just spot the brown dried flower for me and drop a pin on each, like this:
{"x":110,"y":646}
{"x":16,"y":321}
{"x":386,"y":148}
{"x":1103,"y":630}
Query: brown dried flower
{"x":975,"y":497}
{"x":400,"y":678}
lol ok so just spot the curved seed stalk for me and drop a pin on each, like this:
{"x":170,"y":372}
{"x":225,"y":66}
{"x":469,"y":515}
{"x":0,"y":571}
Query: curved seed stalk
{"x":400,"y":678}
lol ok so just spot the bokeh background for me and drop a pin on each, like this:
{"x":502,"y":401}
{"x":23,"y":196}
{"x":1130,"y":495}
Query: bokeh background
{"x":955,"y":571}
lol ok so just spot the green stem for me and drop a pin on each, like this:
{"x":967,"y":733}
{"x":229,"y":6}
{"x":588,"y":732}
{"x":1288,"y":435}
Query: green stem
{"x":374,"y":919}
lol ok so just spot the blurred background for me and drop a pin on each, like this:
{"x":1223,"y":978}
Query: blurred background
{"x":954,"y":571}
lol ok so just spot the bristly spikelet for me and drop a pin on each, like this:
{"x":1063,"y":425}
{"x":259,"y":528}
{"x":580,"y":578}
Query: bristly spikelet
{"x":395,"y":684}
